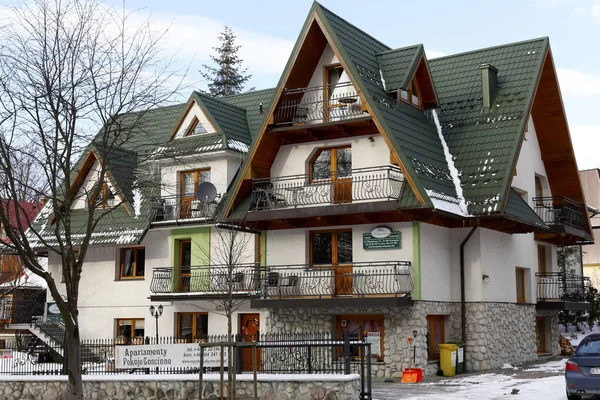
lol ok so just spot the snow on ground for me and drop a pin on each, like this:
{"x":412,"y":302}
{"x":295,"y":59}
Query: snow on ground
{"x":574,"y":336}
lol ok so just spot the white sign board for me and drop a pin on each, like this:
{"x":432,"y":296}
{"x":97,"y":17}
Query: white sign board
{"x":185,"y":355}
{"x":460,"y":355}
{"x":453,"y":360}
{"x":6,"y":353}
{"x":375,"y":339}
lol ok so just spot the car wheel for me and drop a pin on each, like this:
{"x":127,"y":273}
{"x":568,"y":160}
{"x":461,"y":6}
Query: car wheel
{"x":573,"y":396}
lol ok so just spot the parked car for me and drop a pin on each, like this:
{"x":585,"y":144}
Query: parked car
{"x":582,"y":372}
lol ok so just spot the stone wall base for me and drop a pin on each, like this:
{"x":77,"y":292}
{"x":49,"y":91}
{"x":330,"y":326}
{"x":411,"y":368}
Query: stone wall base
{"x":496,"y":333}
{"x":182,"y":390}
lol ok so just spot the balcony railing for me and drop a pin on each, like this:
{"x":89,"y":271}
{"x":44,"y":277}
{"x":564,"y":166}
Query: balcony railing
{"x":358,"y":279}
{"x":318,"y":104}
{"x":560,"y":211}
{"x":361,"y":184}
{"x":561,"y":286}
{"x":173,"y":208}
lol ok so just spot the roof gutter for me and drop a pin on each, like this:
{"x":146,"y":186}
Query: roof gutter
{"x":463,"y":305}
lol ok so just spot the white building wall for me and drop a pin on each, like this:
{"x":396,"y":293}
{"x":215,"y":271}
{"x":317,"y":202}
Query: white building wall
{"x":437,"y":264}
{"x":293,"y":159}
{"x":197,"y":112}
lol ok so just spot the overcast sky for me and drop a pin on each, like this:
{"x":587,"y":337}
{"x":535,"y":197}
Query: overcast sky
{"x":268,"y":29}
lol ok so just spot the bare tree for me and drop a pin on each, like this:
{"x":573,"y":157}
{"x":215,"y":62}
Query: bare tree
{"x":71,"y":72}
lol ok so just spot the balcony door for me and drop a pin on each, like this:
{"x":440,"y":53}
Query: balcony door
{"x":333,"y":249}
{"x":333,"y":167}
{"x":188,"y":183}
{"x":185,"y":262}
{"x":249,"y":330}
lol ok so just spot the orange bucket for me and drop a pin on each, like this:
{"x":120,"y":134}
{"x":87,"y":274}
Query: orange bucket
{"x":412,"y":375}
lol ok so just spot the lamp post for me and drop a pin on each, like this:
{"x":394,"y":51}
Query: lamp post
{"x":156,"y":313}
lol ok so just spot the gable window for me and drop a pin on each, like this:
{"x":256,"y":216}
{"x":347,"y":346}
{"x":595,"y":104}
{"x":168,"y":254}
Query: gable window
{"x":130,"y":331}
{"x":192,"y":327}
{"x":105,"y":197}
{"x":539,"y":190}
{"x":194,"y":128}
{"x":334,"y":164}
{"x":333,"y":249}
{"x":435,"y":335}
{"x":336,"y":95}
{"x":412,"y":95}
{"x":132,"y":262}
{"x":191,"y":207}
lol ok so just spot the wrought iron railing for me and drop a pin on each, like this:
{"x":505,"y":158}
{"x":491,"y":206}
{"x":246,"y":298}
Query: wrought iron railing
{"x":561,"y":286}
{"x":356,"y":185}
{"x":355,"y":279}
{"x":173,"y":208}
{"x":318,"y":104}
{"x":560,"y":211}
{"x":209,"y":279}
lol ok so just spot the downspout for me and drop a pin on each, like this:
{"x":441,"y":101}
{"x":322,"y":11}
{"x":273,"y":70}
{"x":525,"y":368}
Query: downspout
{"x":463,"y":305}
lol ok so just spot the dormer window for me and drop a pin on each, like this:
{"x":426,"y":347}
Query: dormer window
{"x":194,"y":128}
{"x":105,"y":198}
{"x":413,"y":95}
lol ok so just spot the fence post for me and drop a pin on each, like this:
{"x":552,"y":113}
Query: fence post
{"x":347,"y":353}
{"x":368,"y":371}
{"x":65,"y":368}
{"x":201,"y":372}
{"x":309,"y":359}
{"x":146,"y":341}
{"x":237,"y":354}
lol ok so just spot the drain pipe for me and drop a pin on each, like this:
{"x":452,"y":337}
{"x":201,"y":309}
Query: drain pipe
{"x":463,"y":306}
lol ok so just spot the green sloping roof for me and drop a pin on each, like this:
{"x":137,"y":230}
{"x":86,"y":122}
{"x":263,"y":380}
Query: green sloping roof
{"x":518,"y":210}
{"x":250,"y":101}
{"x":228,"y":119}
{"x":191,"y":145}
{"x":485,"y":146}
{"x":399,"y":65}
{"x":412,"y":134}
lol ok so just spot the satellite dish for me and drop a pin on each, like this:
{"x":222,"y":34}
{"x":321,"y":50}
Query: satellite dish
{"x":206,"y":192}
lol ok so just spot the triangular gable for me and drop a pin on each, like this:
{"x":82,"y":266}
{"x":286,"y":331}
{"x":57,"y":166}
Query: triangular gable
{"x":314,"y":37}
{"x":194,"y":121}
{"x":399,"y":67}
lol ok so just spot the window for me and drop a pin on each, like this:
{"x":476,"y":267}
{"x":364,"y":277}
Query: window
{"x":541,"y":253}
{"x":192,"y":327}
{"x":334,"y":165}
{"x":105,"y":197}
{"x":362,"y":327}
{"x":539,"y":191}
{"x":194,"y":128}
{"x":132,"y":262}
{"x":332,"y":81}
{"x":412,"y":95}
{"x":188,"y":183}
{"x":435,"y":335}
{"x":6,"y":308}
{"x":130,"y":331}
{"x":334,"y":249}
{"x":520,"y":277}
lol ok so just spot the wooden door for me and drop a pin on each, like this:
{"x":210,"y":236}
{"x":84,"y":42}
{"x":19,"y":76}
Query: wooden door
{"x":333,"y":250}
{"x":541,"y":253}
{"x":188,"y":183}
{"x":249,"y":329}
{"x":332,"y":167}
{"x":540,"y":334}
{"x":185,"y":262}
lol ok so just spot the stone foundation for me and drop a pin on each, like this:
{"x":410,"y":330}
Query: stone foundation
{"x":497,"y":333}
{"x":185,"y":388}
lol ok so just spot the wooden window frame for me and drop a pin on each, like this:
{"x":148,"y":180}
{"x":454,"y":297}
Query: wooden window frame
{"x":334,"y":246}
{"x":135,"y":267}
{"x":103,"y":193}
{"x":196,"y":173}
{"x":326,"y":105}
{"x":431,"y":321}
{"x":413,"y":83}
{"x":542,"y":259}
{"x":194,"y":325}
{"x":361,"y":318}
{"x":9,"y":298}
{"x":542,"y":334}
{"x":521,"y":282}
{"x":539,"y":190}
{"x":189,"y":131}
{"x":132,"y":320}
{"x":333,"y":167}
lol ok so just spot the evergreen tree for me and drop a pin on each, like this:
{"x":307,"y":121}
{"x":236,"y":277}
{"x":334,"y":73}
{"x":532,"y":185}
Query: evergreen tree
{"x":227,"y":77}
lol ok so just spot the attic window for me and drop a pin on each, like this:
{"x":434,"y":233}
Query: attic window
{"x":412,"y":96}
{"x":194,"y":128}
{"x":105,"y":198}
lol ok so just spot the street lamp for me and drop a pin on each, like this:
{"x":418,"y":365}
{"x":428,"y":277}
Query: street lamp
{"x":156,"y":313}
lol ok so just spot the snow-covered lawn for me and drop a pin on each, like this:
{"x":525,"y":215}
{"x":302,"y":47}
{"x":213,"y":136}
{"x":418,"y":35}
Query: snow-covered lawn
{"x":574,"y":336}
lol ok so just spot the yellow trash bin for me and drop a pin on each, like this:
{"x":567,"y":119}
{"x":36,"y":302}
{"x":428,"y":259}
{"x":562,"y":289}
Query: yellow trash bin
{"x":448,"y":352}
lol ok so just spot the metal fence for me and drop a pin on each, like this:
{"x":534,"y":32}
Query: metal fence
{"x":175,"y":208}
{"x":561,"y":286}
{"x":560,"y":211}
{"x":316,"y":353}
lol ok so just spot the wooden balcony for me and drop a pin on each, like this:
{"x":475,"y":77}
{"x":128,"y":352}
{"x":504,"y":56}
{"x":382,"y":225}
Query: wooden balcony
{"x":562,"y":291}
{"x":357,"y":190}
{"x":302,"y":285}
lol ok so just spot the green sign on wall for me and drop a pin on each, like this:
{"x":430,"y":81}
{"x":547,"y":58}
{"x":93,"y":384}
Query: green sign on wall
{"x":393,"y":241}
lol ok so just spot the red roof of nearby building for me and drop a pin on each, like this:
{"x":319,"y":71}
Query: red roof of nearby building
{"x":20,"y":213}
